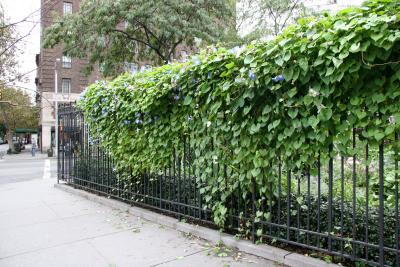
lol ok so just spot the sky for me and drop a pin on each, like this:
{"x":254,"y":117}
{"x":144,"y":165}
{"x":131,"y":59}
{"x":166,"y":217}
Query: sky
{"x":16,"y":10}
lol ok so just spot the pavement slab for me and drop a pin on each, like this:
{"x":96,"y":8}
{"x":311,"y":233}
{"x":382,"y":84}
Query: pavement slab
{"x":43,"y":226}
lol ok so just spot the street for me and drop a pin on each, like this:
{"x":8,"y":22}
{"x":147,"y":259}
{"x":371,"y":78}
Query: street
{"x":23,"y":167}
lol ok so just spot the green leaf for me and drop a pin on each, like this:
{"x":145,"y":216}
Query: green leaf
{"x":354,"y":48}
{"x":293,"y":112}
{"x":248,"y":59}
{"x":226,"y":86}
{"x":326,"y":114}
{"x":255,"y":172}
{"x":188,"y":100}
{"x":337,"y":62}
{"x":230,"y":65}
{"x":303,"y":64}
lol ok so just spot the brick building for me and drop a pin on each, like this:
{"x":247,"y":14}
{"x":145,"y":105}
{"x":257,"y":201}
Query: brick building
{"x":60,"y":79}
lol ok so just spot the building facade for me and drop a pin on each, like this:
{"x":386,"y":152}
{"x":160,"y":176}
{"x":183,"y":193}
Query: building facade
{"x":60,"y":79}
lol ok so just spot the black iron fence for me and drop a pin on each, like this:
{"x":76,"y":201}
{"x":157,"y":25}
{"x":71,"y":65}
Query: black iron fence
{"x":343,"y":207}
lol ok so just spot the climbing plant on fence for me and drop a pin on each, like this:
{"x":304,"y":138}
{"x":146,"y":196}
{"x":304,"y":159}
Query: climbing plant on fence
{"x":251,"y":108}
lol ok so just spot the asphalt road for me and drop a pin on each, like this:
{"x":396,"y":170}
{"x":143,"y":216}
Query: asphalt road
{"x":23,"y":167}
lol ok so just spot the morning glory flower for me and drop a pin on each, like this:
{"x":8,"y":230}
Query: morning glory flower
{"x":138,"y":121}
{"x":252,"y":76}
{"x":127,"y":122}
{"x":278,"y":78}
{"x":176,"y":97}
{"x":196,"y":61}
{"x":236,"y":50}
{"x":138,"y":114}
{"x":209,"y":75}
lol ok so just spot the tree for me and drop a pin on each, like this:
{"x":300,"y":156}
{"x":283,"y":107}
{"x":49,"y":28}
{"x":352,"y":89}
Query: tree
{"x":112,"y":32}
{"x":268,"y":17}
{"x":16,"y":111}
{"x":9,"y":51}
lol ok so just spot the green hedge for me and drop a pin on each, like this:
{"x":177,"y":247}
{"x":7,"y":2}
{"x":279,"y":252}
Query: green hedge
{"x":251,"y":107}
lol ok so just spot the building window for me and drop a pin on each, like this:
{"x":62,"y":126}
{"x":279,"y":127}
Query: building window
{"x":67,"y":8}
{"x":66,"y":86}
{"x":66,"y":62}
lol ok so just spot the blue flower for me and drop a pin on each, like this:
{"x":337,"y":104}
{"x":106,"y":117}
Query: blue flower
{"x":138,"y":121}
{"x":234,"y":50}
{"x":138,"y":114}
{"x":252,"y":76}
{"x":127,"y":122}
{"x":209,"y":75}
{"x":278,"y":78}
{"x":176,"y":97}
{"x":196,"y":61}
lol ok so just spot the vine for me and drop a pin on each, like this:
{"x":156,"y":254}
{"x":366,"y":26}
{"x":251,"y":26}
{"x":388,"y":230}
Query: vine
{"x":252,"y":107}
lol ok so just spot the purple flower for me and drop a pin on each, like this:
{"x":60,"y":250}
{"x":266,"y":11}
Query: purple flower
{"x":252,"y":76}
{"x":278,"y":78}
{"x":127,"y":122}
{"x":176,"y":97}
{"x":138,"y":121}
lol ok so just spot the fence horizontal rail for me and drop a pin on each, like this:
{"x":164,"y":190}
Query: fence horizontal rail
{"x":344,"y":206}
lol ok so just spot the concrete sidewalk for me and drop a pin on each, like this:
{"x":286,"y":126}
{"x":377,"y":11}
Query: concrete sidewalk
{"x":44,"y":226}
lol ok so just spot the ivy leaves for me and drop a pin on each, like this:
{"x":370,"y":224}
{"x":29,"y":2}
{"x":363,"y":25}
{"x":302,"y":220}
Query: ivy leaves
{"x":251,"y":108}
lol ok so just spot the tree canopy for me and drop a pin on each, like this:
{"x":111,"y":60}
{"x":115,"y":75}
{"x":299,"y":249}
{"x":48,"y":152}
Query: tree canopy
{"x":112,"y":32}
{"x":8,"y":51}
{"x":261,"y":18}
{"x":16,"y":111}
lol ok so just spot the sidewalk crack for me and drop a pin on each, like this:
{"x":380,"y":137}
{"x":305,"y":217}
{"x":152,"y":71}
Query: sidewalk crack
{"x":175,"y":259}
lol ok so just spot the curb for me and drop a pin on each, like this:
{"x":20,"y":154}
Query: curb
{"x":265,"y":251}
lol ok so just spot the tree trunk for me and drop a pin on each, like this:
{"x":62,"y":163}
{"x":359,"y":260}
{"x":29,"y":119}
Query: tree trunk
{"x":9,"y":138}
